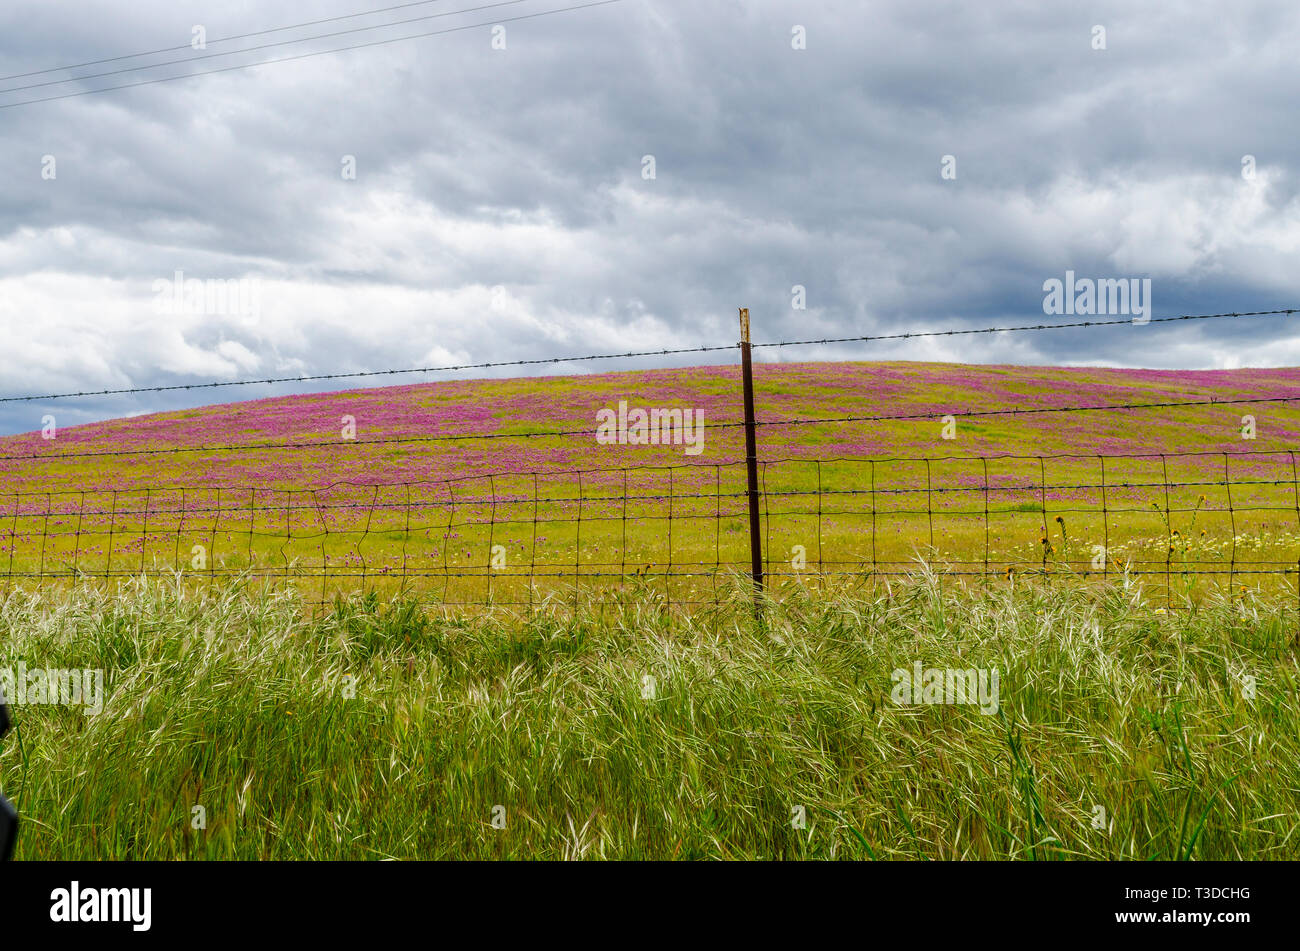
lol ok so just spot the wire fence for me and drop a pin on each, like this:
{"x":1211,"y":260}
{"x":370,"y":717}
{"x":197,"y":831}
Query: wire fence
{"x":1172,"y":521}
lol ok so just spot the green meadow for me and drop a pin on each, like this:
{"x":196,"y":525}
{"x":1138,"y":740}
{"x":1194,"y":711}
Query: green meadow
{"x":473,"y":631}
{"x":237,"y":726}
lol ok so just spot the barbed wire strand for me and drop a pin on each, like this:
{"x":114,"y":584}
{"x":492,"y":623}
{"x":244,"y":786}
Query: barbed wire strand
{"x":587,"y":358}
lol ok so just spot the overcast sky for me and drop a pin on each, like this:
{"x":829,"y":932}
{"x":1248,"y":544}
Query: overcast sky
{"x":502,"y":206}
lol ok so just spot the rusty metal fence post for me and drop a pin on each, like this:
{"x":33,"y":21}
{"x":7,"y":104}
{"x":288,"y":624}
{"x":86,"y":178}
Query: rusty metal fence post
{"x":751,"y":462}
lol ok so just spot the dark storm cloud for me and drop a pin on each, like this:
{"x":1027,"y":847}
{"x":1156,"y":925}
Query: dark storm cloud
{"x":522,"y":170}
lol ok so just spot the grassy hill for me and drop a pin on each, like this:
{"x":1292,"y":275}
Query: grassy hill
{"x":540,"y":404}
{"x":423,"y":481}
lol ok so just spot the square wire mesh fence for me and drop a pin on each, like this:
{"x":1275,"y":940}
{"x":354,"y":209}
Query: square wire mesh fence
{"x":1175,"y":523}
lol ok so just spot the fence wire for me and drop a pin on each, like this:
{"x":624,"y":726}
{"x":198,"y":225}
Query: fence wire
{"x":1173,"y":521}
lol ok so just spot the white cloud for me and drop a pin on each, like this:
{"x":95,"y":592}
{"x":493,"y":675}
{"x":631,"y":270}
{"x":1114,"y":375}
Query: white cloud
{"x":522,"y":170}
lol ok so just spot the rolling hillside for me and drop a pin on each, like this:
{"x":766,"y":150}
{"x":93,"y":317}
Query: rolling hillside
{"x":423,"y":483}
{"x":536,"y":405}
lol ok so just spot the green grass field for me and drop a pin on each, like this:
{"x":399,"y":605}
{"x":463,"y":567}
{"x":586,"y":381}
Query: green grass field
{"x":382,"y":731}
{"x":308,"y":651}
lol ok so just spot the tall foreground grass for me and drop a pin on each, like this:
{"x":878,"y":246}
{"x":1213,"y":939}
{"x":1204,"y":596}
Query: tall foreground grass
{"x":1111,"y":714}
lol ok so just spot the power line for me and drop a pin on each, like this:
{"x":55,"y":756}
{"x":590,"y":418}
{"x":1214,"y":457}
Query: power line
{"x":224,"y":39}
{"x":264,"y":46}
{"x":608,"y":356}
{"x":298,"y":56}
{"x":543,"y":434}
